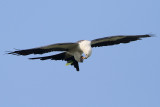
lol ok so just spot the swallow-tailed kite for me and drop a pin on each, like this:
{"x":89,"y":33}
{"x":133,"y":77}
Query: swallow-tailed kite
{"x":72,"y":52}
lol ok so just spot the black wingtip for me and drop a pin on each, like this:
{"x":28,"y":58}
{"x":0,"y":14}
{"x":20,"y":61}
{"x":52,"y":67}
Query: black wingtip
{"x":147,"y":35}
{"x":33,"y":58}
{"x":13,"y":53}
{"x":17,"y":52}
{"x":151,"y":35}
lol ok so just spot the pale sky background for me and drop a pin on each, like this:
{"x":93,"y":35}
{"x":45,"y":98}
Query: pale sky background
{"x":125,"y":75}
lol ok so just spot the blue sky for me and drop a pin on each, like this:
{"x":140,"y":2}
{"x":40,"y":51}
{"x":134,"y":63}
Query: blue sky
{"x":125,"y":75}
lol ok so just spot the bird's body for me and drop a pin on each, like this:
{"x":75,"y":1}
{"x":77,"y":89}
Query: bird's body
{"x":83,"y":47}
{"x":73,"y":51}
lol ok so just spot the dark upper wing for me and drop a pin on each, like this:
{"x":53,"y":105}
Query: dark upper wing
{"x":113,"y":40}
{"x":61,"y":56}
{"x":45,"y":49}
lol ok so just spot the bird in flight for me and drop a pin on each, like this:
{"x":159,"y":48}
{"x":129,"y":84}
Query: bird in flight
{"x":72,"y":52}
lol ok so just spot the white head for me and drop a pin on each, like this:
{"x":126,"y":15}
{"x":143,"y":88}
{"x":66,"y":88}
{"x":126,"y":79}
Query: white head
{"x":88,"y":53}
{"x":85,"y":46}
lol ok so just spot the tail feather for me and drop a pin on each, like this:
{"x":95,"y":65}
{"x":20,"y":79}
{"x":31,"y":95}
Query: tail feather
{"x":74,"y":62}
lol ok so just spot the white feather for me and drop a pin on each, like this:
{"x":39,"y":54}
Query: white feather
{"x":86,"y":48}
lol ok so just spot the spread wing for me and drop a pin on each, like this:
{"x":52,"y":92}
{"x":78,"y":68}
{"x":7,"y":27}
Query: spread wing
{"x":46,"y":49}
{"x":62,"y":56}
{"x":113,"y":40}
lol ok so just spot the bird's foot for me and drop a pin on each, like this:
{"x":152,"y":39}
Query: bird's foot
{"x":84,"y":57}
{"x":69,"y":63}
